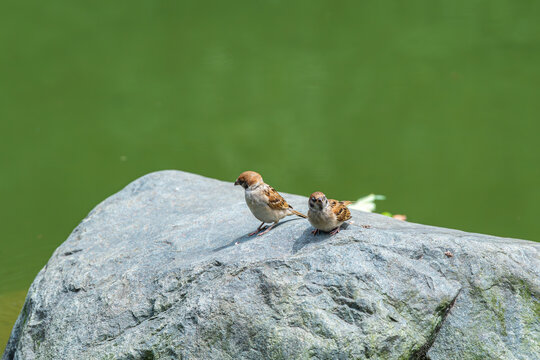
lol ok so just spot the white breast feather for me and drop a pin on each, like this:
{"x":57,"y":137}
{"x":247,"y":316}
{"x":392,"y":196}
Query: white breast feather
{"x":258,"y":204}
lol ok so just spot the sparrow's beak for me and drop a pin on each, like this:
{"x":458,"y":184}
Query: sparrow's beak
{"x":237,"y":182}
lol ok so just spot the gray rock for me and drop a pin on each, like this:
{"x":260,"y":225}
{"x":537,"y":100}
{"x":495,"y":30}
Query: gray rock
{"x":164,"y":269}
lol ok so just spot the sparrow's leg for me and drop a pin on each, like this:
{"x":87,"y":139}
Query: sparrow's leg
{"x":258,"y":229}
{"x":315,"y":232}
{"x":335,"y":231}
{"x":267,"y":230}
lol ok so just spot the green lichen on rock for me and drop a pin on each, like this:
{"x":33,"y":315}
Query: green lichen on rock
{"x":529,"y":303}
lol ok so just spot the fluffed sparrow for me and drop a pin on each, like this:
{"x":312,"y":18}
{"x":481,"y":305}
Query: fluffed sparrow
{"x":327,"y":214}
{"x":264,"y":202}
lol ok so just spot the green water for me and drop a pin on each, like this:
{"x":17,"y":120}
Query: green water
{"x":434,"y":104}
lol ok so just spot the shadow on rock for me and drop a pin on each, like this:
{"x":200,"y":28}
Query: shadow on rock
{"x":308,"y":238}
{"x":245,"y":238}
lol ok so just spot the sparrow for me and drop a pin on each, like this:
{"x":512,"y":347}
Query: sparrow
{"x":264,"y":202}
{"x":327,"y":214}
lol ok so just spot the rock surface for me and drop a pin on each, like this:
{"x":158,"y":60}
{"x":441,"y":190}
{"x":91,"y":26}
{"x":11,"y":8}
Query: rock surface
{"x":164,"y":269}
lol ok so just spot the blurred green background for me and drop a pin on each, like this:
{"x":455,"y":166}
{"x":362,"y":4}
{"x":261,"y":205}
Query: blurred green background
{"x":434,"y":104}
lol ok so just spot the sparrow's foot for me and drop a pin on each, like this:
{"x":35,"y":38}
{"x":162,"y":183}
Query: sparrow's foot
{"x":261,"y":227}
{"x":256,"y":231}
{"x":335,"y":231}
{"x":267,"y":230}
{"x":315,"y":232}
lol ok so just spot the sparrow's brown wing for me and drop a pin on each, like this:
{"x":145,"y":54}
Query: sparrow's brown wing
{"x":276,"y":201}
{"x":339,"y":208}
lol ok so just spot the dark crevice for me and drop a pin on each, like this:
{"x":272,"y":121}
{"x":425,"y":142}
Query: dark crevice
{"x":421,"y":353}
{"x":67,"y":253}
{"x":147,"y":355}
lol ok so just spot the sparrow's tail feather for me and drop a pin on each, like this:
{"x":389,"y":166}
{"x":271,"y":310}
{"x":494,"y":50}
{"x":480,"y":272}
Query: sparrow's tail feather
{"x":298,"y":213}
{"x":346,"y":203}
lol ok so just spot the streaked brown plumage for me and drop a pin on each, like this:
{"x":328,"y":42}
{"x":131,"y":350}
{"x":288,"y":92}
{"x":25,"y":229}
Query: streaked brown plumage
{"x":265,"y":203}
{"x":277,"y":202}
{"x":327,"y":214}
